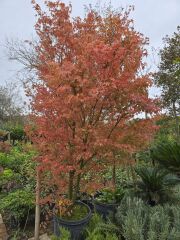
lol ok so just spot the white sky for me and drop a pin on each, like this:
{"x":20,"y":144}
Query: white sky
{"x":153,"y":18}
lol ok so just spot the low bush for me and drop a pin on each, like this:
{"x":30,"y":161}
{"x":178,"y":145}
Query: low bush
{"x":137,"y":220}
{"x":16,"y":205}
{"x":98,"y":229}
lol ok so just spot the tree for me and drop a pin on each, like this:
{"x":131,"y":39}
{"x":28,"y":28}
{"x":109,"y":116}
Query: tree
{"x":168,"y":77}
{"x":130,"y":137}
{"x":9,"y":107}
{"x":90,"y":84}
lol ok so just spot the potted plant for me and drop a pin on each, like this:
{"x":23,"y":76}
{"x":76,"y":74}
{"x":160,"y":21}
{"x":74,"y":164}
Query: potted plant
{"x":73,"y":216}
{"x":108,"y":200}
{"x":83,"y":97}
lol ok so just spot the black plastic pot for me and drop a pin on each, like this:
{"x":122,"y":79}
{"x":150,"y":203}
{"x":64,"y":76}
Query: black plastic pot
{"x":105,"y":209}
{"x":75,"y":227}
{"x":89,"y":203}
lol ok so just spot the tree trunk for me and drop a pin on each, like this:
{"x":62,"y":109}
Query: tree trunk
{"x":177,"y":122}
{"x":77,"y":187}
{"x":37,"y":211}
{"x":71,"y":184}
{"x":114,"y":174}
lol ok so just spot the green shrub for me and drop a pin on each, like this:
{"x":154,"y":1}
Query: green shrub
{"x":15,"y":158}
{"x":111,"y":196}
{"x":139,"y":221}
{"x":65,"y":235}
{"x":17,"y":204}
{"x":8,"y":179}
{"x":16,"y":132}
{"x":98,"y":229}
{"x":132,"y":218}
{"x":123,"y":176}
{"x":21,"y":164}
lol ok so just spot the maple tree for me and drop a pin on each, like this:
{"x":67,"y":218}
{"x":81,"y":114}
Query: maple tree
{"x":129,"y":138}
{"x":89,"y":88}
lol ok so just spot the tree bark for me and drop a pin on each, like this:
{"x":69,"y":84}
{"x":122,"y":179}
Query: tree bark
{"x":114,"y":174}
{"x":71,"y":184}
{"x":177,"y":122}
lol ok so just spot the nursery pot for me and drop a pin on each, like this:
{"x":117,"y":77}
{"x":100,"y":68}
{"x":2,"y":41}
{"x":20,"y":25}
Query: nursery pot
{"x":89,"y":203}
{"x":75,"y":227}
{"x":105,"y":209}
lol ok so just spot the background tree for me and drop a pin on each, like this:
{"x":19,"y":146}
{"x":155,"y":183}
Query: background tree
{"x":168,"y":77}
{"x":10,"y":108}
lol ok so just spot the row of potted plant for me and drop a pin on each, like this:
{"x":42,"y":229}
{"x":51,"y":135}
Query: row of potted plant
{"x":75,"y":216}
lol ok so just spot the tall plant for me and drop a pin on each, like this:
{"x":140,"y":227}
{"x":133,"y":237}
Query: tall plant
{"x":168,"y":77}
{"x":89,"y":87}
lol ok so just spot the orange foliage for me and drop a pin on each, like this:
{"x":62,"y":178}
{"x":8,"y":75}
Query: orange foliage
{"x":89,"y":91}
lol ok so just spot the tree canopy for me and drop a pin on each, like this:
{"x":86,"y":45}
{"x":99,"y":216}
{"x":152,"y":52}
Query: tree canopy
{"x":90,"y":88}
{"x":168,"y":76}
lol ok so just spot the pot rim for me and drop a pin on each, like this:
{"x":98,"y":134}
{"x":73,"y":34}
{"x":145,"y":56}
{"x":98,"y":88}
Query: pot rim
{"x":76,"y":222}
{"x":105,"y":204}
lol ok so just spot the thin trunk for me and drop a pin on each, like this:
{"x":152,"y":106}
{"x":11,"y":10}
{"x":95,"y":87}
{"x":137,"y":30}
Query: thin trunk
{"x":9,"y":137}
{"x":177,"y":122}
{"x":134,"y":177}
{"x":71,"y":181}
{"x":77,"y":187}
{"x":114,"y":174}
{"x":37,"y":211}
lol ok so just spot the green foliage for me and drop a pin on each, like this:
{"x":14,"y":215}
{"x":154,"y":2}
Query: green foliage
{"x":168,"y":155}
{"x":65,"y":235}
{"x":2,"y":133}
{"x":111,"y":196}
{"x":143,"y":156}
{"x":22,"y":168}
{"x":8,"y":177}
{"x":16,"y":158}
{"x":167,"y":127}
{"x":17,"y":184}
{"x":131,"y":218}
{"x":123,"y":176}
{"x":139,"y":221}
{"x":167,"y":78}
{"x":98,"y":229}
{"x":155,"y":183}
{"x":77,"y":212}
{"x":16,"y":131}
{"x":17,"y":204}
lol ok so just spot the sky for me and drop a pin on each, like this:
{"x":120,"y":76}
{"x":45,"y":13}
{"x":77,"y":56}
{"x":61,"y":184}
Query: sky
{"x":154,"y":18}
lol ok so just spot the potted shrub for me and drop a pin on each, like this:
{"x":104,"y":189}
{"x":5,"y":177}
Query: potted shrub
{"x":86,"y":91}
{"x":73,"y":216}
{"x":108,"y":200}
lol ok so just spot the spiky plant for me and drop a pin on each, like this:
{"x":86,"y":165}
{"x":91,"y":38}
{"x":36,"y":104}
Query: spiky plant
{"x":167,"y":154}
{"x":155,"y":183}
{"x":98,"y":229}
